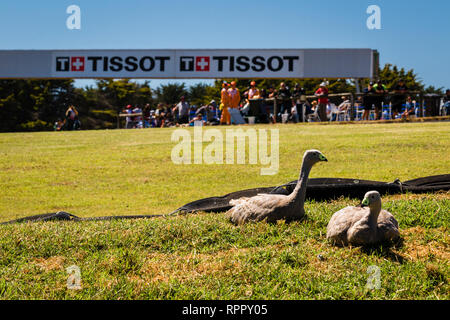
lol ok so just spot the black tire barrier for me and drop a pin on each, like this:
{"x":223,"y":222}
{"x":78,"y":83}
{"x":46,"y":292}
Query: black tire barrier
{"x":319,"y":189}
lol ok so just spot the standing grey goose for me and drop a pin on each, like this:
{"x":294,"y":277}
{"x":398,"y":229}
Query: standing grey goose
{"x":273,"y":207}
{"x":362,"y":226}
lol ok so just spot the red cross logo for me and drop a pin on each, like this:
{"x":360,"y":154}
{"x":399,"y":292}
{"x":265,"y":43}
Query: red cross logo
{"x":77,"y":64}
{"x":201,"y":63}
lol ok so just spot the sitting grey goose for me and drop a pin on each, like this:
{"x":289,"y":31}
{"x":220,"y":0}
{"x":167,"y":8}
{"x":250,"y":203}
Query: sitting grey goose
{"x":273,"y":207}
{"x":362,"y":226}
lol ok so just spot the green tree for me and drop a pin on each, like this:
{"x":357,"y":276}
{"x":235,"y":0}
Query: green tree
{"x":120,"y":93}
{"x":28,"y":105}
{"x":198,"y":94}
{"x":16,"y":104}
{"x":171,"y":93}
{"x":390,"y":74}
{"x":432,"y":89}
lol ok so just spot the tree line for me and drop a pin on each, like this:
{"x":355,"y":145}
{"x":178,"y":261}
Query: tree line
{"x":35,"y":105}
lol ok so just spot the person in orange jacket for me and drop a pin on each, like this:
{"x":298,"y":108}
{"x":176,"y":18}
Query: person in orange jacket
{"x":234,"y":95}
{"x":225,"y":104}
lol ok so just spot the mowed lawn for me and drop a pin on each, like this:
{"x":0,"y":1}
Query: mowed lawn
{"x":203,"y":256}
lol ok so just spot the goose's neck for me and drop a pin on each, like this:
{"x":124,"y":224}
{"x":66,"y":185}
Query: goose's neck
{"x":299,"y":193}
{"x":375,"y":210}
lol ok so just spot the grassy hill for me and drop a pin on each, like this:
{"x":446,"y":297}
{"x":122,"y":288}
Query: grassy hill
{"x":203,"y":256}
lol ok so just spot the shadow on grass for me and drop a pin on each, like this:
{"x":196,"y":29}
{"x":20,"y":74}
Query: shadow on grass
{"x":385,"y":250}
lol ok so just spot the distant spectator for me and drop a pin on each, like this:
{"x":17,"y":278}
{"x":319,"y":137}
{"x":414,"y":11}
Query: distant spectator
{"x":331,"y":111}
{"x":446,"y":100}
{"x":183,"y":111}
{"x":313,"y":115}
{"x":159,"y":108}
{"x":263,"y":94}
{"x":308,"y":108}
{"x":398,"y":98}
{"x":234,"y":96}
{"x":359,"y":101}
{"x":208,"y":112}
{"x":192,"y":111}
{"x":158,"y":120}
{"x":271,"y":93}
{"x":265,"y":106}
{"x":294,"y":112}
{"x":166,"y":109}
{"x":166,"y":121}
{"x":378,"y":100}
{"x":225,"y":117}
{"x":345,"y":105}
{"x":152,"y":119}
{"x":203,"y":111}
{"x":72,"y":122}
{"x":410,"y":109}
{"x":196,"y":118}
{"x":368,"y":100}
{"x":322,"y":93}
{"x":253,"y":93}
{"x":235,"y":104}
{"x":299,"y":94}
{"x":298,"y":102}
{"x":166,"y":118}
{"x":213,"y":113}
{"x":283,"y":92}
{"x":138,"y":120}
{"x":284,"y":96}
{"x":129,"y":122}
{"x":146,"y":115}
{"x":214,"y":108}
{"x":58,"y":125}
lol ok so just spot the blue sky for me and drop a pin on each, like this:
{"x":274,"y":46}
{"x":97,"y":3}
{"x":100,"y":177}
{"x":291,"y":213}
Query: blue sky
{"x":414,"y":34}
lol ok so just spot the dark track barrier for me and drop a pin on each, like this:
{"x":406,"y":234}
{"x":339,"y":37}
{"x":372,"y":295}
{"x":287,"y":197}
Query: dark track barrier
{"x":319,"y":189}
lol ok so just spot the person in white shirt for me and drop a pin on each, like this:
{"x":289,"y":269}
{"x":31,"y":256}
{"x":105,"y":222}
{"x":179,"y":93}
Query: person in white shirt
{"x":345,"y":105}
{"x":183,"y":111}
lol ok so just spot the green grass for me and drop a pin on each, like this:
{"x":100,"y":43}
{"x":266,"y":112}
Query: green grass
{"x":203,"y":256}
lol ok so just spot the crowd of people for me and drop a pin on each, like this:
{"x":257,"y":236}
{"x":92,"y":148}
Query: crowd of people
{"x":375,"y":97}
{"x":164,"y":115}
{"x":291,"y":106}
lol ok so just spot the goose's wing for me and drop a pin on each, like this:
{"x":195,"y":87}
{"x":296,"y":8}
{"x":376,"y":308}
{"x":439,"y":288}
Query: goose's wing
{"x":255,"y":208}
{"x":235,"y":202}
{"x":343,"y":220}
{"x":387,"y":226}
{"x":386,"y":218}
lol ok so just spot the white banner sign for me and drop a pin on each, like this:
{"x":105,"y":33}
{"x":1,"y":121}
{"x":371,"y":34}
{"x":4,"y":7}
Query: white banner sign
{"x":184,"y":64}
